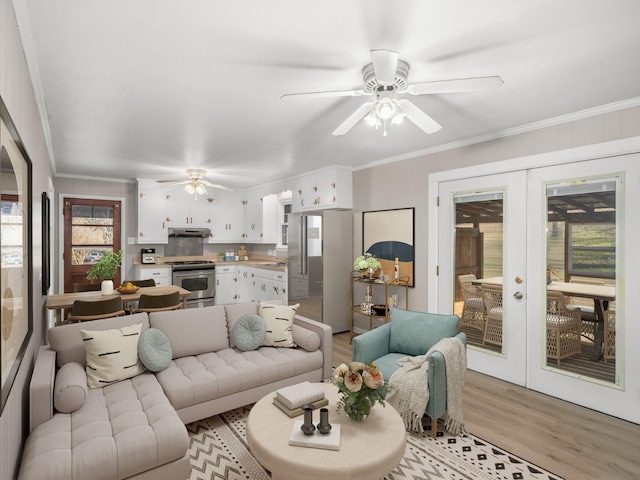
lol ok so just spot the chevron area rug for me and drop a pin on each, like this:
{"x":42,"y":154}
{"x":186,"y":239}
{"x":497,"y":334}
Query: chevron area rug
{"x":219,"y":450}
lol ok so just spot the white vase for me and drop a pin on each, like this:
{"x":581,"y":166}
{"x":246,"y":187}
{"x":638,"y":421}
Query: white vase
{"x":106,"y":288}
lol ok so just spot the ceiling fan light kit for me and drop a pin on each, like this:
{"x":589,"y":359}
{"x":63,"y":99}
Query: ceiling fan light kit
{"x":386,"y":76}
{"x":196,"y":184}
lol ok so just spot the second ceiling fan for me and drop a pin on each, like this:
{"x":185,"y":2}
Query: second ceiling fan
{"x":386,"y":78}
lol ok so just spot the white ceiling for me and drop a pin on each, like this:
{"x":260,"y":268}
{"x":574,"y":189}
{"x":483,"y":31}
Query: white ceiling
{"x":147,"y":88}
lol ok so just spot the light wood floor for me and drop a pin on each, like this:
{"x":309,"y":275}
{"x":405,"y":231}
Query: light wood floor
{"x":568,"y":440}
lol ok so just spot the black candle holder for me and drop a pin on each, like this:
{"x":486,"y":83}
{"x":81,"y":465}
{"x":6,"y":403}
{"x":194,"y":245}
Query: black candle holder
{"x":324,"y":426}
{"x":308,"y":427}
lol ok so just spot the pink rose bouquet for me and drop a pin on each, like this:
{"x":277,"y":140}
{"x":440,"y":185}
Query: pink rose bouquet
{"x":361,"y":386}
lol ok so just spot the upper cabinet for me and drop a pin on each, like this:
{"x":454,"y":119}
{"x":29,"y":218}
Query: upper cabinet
{"x":249,"y":216}
{"x":323,"y":189}
{"x":152,"y":212}
{"x":227,"y":217}
{"x":186,"y":210}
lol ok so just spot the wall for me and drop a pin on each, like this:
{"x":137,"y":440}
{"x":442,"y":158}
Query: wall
{"x":405,"y":183}
{"x":18,"y":95}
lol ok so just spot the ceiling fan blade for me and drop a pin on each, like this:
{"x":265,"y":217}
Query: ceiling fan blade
{"x":417,"y":116}
{"x":354,"y":118}
{"x":214,"y":185}
{"x":172,"y":183}
{"x":337,"y":93}
{"x":385,"y":64}
{"x":175,"y":180}
{"x":456,"y":85}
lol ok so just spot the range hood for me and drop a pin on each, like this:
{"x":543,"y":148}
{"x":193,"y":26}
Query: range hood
{"x":189,"y":232}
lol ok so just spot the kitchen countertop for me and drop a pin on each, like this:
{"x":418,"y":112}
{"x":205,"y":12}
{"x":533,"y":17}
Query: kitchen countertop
{"x":275,"y":265}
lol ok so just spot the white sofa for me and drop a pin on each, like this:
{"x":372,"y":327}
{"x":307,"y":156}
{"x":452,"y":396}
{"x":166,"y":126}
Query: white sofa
{"x":135,"y":428}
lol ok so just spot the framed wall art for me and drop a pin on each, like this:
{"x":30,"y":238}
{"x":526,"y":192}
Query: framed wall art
{"x":15,"y":252}
{"x":390,"y":234}
{"x":46,"y":243}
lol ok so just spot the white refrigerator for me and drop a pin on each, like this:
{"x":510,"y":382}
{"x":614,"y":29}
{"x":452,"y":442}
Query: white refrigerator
{"x":320,"y":263}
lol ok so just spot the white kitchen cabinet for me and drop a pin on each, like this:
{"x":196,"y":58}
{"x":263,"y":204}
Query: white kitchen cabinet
{"x":269,"y":285}
{"x":226,"y":284}
{"x":185,"y":210}
{"x":161,"y":274}
{"x":152,"y":213}
{"x":227,"y":222}
{"x":245,"y":284}
{"x":252,"y":207}
{"x":327,"y":188}
{"x":270,"y":219}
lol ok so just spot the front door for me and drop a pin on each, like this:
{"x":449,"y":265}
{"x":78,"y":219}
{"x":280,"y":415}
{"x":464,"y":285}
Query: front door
{"x":91,"y":228}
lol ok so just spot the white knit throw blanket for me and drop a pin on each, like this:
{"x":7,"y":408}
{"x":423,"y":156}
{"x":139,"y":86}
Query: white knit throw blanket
{"x":410,"y":391}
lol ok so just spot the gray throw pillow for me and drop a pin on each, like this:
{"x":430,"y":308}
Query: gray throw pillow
{"x":70,"y":390}
{"x":249,"y":332}
{"x":154,"y":350}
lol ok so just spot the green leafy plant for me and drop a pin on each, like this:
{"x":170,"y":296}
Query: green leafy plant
{"x":106,"y":267}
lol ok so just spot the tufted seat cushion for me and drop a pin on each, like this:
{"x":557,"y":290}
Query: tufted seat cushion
{"x":121,"y":430}
{"x":195,"y":379}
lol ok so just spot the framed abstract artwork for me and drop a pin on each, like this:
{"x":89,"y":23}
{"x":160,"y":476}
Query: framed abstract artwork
{"x":390,"y":234}
{"x":15,"y":251}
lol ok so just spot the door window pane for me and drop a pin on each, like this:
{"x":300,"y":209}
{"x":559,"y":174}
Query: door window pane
{"x":580,"y":322}
{"x":479,"y":240}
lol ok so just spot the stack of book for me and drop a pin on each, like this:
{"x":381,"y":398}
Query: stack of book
{"x":291,"y":399}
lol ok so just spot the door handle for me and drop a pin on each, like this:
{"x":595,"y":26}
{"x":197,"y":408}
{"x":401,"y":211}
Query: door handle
{"x":518,"y":296}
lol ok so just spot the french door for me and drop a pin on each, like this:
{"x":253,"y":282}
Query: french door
{"x":492,"y":210}
{"x":575,"y":220}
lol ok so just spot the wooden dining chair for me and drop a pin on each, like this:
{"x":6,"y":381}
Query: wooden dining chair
{"x":158,"y":303}
{"x":563,"y":328}
{"x":84,"y":310}
{"x":473,"y":305}
{"x":86,"y":287}
{"x":492,"y":298}
{"x":147,"y":282}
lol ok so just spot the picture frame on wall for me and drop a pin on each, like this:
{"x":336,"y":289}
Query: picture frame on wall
{"x":46,"y":243}
{"x":390,"y":234}
{"x":16,"y":316}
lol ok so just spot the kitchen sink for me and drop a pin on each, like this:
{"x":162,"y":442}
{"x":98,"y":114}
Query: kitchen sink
{"x":271,"y":264}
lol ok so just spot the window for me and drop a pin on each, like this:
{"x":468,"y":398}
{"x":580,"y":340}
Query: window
{"x":284,"y":216}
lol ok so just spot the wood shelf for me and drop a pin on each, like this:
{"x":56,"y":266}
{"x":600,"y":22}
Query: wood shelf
{"x":376,"y":287}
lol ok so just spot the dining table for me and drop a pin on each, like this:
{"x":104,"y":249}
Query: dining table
{"x":600,"y":294}
{"x":61,"y":301}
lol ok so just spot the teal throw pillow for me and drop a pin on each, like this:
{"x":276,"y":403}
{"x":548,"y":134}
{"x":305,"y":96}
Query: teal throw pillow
{"x":154,"y":350}
{"x":249,"y":332}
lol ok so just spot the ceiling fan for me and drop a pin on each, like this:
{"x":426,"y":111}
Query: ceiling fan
{"x":386,"y":78}
{"x":196,"y":182}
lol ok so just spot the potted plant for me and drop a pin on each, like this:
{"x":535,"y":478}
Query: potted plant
{"x":105,"y":270}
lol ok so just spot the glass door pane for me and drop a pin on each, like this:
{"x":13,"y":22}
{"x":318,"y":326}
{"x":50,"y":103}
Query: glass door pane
{"x":581,"y":278}
{"x":479,"y":242}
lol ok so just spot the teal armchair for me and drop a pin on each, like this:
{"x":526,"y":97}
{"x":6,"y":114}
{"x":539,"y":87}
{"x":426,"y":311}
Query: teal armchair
{"x":411,"y":334}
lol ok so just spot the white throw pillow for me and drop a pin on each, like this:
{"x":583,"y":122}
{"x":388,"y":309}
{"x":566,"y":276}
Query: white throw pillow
{"x":278,"y":320}
{"x":112,"y":355}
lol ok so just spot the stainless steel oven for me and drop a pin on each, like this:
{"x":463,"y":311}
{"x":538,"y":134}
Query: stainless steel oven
{"x":199,"y":278}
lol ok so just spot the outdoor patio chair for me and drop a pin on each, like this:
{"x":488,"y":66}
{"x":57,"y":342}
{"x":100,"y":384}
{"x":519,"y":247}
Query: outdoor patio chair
{"x":492,"y":297}
{"x":585,"y":305}
{"x":563,"y":328}
{"x":473,"y":307}
{"x":609,"y":335}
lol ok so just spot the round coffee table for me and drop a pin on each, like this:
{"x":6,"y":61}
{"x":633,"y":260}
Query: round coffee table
{"x":368,"y":450}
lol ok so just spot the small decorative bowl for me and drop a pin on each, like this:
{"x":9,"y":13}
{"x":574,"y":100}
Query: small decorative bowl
{"x":127,"y":290}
